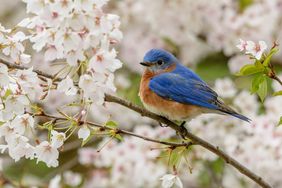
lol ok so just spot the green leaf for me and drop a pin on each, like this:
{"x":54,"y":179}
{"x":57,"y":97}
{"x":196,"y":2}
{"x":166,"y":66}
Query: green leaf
{"x":243,"y":4}
{"x":7,"y":94}
{"x":277,"y":93}
{"x":280,"y":121}
{"x":87,"y":140}
{"x":2,"y":123}
{"x":175,"y":157}
{"x":119,"y":137}
{"x":262,"y":90}
{"x":258,"y":79}
{"x":269,"y":56}
{"x":218,"y":166}
{"x":112,"y":124}
{"x":250,"y":69}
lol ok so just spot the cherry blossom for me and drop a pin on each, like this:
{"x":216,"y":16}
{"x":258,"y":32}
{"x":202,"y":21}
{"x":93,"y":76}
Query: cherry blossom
{"x":242,"y":46}
{"x":169,"y":180}
{"x":55,"y":182}
{"x":225,"y":88}
{"x":22,"y":123}
{"x":15,"y":105}
{"x":57,"y":139}
{"x":252,"y":48}
{"x":47,"y":153}
{"x":84,"y":132}
{"x":256,"y":49}
{"x":4,"y":77}
{"x":12,"y":46}
{"x":72,"y":179}
{"x":66,"y":86}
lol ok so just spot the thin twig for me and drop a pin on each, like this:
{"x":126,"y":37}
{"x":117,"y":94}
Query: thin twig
{"x":180,"y":129}
{"x":277,"y":79}
{"x":272,"y":74}
{"x":119,"y":131}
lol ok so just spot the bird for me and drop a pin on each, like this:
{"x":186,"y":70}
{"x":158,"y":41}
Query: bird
{"x":170,"y":89}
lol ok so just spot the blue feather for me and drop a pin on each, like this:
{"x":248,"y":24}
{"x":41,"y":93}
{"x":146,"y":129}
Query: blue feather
{"x":189,"y":90}
{"x":182,"y":84}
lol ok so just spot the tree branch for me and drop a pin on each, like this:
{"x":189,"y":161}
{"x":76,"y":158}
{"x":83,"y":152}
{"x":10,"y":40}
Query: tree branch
{"x":180,"y":129}
{"x":195,"y":139}
{"x":273,"y":74}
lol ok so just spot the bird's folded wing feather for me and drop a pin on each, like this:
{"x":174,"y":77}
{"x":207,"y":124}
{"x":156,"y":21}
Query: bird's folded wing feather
{"x":174,"y":87}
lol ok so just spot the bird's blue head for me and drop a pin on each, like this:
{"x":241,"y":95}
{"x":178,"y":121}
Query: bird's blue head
{"x":158,"y":60}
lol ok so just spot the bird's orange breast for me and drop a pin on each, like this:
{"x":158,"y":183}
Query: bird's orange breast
{"x":168,"y":108}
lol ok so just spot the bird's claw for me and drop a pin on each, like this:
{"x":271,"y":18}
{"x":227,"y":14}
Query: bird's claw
{"x":183,"y":132}
{"x":183,"y":123}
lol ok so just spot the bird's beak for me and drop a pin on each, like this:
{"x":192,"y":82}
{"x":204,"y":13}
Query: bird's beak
{"x":146,"y":64}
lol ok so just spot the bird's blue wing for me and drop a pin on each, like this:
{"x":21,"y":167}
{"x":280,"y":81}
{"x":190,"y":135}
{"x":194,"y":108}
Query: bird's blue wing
{"x":186,"y":73}
{"x":174,"y":87}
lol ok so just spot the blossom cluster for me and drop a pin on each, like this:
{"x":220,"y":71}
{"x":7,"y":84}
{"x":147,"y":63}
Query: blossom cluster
{"x":11,"y":45}
{"x":195,"y":29}
{"x":17,"y":89}
{"x":126,"y":160}
{"x":79,"y":35}
{"x":254,"y":49}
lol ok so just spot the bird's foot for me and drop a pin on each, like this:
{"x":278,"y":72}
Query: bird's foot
{"x":183,"y":131}
{"x":183,"y":123}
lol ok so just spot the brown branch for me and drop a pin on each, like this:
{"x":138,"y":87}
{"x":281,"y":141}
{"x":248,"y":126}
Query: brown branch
{"x":272,"y":74}
{"x":195,"y":139}
{"x":180,"y":129}
{"x":277,"y":79}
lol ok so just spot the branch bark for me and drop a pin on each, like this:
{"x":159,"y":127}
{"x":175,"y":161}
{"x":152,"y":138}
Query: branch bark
{"x":180,"y":129}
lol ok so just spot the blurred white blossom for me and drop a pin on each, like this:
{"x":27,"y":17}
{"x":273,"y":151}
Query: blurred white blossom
{"x":225,"y":88}
{"x":169,"y":180}
{"x":72,"y":179}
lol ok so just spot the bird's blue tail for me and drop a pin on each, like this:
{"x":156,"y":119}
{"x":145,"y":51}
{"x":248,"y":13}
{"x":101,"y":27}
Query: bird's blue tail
{"x":240,"y":116}
{"x":227,"y":110}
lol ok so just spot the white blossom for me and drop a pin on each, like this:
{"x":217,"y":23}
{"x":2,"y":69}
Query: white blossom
{"x":242,"y":46}
{"x":67,"y":86}
{"x":14,"y":47}
{"x":169,"y":180}
{"x":15,"y":105}
{"x":72,"y":179}
{"x":84,"y":132}
{"x":22,"y":123}
{"x":57,"y":139}
{"x":55,"y":182}
{"x":225,"y":88}
{"x":47,"y":153}
{"x":4,"y":77}
{"x":256,"y":49}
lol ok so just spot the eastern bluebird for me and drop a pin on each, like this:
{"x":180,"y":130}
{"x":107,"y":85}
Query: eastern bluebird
{"x":172,"y":90}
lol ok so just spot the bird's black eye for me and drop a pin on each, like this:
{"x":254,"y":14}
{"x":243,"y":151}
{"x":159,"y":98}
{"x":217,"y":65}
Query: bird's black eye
{"x":160,"y":62}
